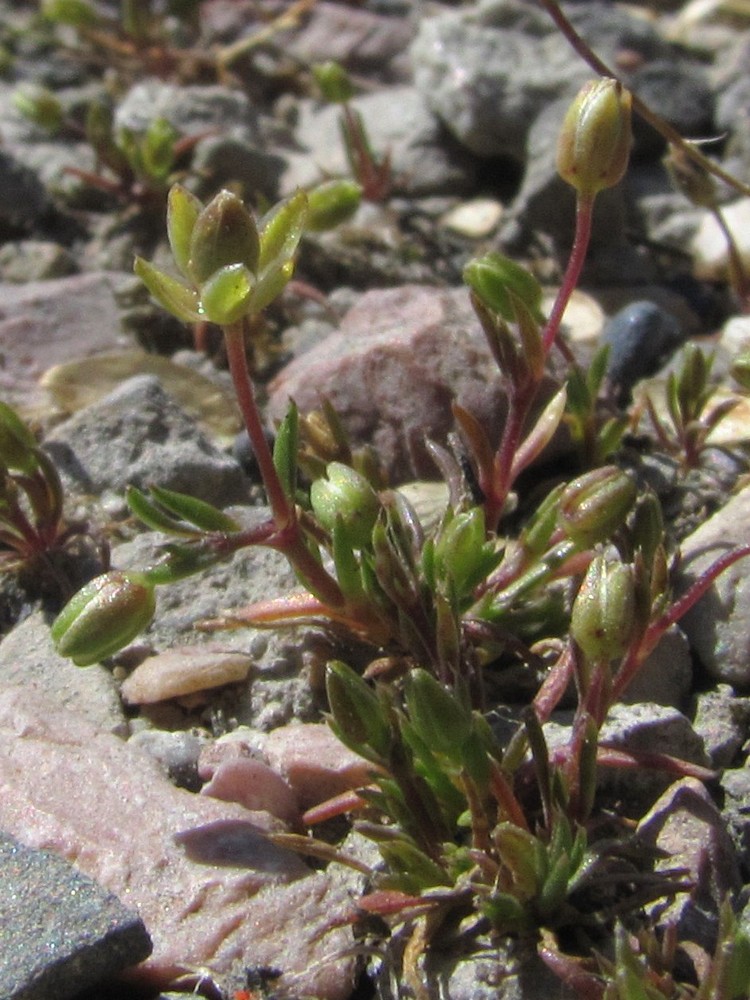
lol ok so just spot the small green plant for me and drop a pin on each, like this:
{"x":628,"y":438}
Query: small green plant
{"x":37,"y":542}
{"x":135,"y":167}
{"x":373,"y":173}
{"x":504,"y":834}
{"x":692,"y":410}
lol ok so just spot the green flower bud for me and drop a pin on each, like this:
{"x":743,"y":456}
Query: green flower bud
{"x":39,"y":105}
{"x":333,"y":81}
{"x":461,"y":551}
{"x":594,"y":143}
{"x":357,"y":713}
{"x":602,"y":621}
{"x":332,"y":203}
{"x":439,"y":718}
{"x":103,"y":616}
{"x":224,"y":233}
{"x":595,"y":504}
{"x":494,"y":277}
{"x":347,"y":495}
{"x":158,"y":148}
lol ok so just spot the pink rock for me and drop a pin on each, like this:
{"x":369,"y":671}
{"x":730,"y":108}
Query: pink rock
{"x":222,"y":898}
{"x":399,"y":359}
{"x":44,"y":323}
{"x":254,"y":785}
{"x":314,"y":763}
{"x":183,"y":670}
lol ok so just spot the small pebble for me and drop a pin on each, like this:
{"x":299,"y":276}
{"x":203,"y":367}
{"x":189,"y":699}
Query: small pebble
{"x":183,"y":671}
{"x":475,"y":219}
{"x":641,"y":337}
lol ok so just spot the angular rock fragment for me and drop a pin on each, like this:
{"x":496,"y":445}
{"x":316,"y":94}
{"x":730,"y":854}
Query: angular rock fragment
{"x":60,"y":932}
{"x":106,"y":806}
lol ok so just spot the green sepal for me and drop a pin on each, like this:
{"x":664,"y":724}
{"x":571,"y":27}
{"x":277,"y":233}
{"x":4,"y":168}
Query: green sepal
{"x":347,"y":565}
{"x":281,"y":234}
{"x":175,"y":297}
{"x":183,"y":209}
{"x":270,"y":285}
{"x":497,"y":280}
{"x":226,"y":295}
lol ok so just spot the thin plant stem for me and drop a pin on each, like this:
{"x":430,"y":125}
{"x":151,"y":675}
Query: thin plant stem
{"x":656,"y":121}
{"x":288,"y":536}
{"x":281,"y":508}
{"x":584,"y":214}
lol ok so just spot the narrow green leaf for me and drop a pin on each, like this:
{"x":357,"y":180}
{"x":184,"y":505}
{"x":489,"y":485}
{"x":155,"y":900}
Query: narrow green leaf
{"x":202,"y":515}
{"x":153,"y":516}
{"x":285,"y":450}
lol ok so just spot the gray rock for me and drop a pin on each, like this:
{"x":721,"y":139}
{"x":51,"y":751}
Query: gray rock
{"x":718,"y":626}
{"x":688,"y":827}
{"x":28,"y":659}
{"x":363,"y":40}
{"x":641,"y":338}
{"x":35,"y":260}
{"x":647,"y":729}
{"x":176,"y":753}
{"x":23,"y":198}
{"x":60,"y":932}
{"x":398,"y":122}
{"x":210,"y":888}
{"x":735,"y":784}
{"x":666,"y":676}
{"x":191,"y":109}
{"x":487,"y":72}
{"x":722,"y":720}
{"x":138,"y":435}
{"x":281,"y":687}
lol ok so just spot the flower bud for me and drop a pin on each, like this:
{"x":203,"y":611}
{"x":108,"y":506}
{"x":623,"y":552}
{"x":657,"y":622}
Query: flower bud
{"x":331,"y":203}
{"x":460,"y":550}
{"x":594,"y":143}
{"x":494,"y":277}
{"x":333,"y":81}
{"x":347,"y":495}
{"x":595,"y":504}
{"x":438,"y":716}
{"x":105,"y":615}
{"x":224,"y":233}
{"x":357,"y":712}
{"x":39,"y":105}
{"x":603,"y":615}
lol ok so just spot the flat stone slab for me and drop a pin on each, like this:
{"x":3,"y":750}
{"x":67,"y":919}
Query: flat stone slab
{"x":60,"y":931}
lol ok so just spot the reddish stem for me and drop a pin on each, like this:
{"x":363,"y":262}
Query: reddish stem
{"x":584,"y":213}
{"x":633,"y":662}
{"x":288,"y":537}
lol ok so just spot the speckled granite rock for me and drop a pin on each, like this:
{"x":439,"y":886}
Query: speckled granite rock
{"x":60,"y":932}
